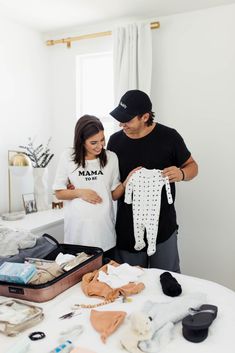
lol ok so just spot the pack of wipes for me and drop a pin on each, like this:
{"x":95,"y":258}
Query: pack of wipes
{"x":16,"y":272}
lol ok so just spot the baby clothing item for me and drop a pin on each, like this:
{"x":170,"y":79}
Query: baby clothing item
{"x":169,"y":284}
{"x":106,"y":322}
{"x":62,"y":259}
{"x":91,"y":286}
{"x":165,"y":313}
{"x":80,"y":258}
{"x":144,"y":190}
{"x":119,"y":276}
{"x":46,"y":272}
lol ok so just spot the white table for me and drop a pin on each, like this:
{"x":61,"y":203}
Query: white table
{"x":221,"y":332}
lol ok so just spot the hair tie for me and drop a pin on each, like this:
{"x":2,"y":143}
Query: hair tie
{"x":37,"y":335}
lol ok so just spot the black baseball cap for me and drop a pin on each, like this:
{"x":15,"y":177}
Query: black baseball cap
{"x":132,"y":103}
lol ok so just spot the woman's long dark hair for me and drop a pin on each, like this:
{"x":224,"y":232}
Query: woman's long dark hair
{"x":87,"y":126}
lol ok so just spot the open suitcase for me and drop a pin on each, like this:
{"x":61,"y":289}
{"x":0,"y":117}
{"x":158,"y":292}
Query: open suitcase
{"x":49,"y":290}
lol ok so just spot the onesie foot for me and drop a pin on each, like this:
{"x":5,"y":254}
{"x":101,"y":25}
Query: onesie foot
{"x":151,"y":251}
{"x":139,"y":246}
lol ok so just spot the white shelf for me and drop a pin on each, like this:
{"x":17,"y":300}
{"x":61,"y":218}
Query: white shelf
{"x":49,"y":221}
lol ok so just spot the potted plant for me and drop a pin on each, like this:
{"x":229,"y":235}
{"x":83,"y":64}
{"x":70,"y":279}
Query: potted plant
{"x":40,"y":155}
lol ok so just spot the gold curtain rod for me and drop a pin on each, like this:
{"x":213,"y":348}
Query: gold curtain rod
{"x":67,"y":41}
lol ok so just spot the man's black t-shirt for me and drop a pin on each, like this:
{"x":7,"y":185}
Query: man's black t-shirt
{"x":161,"y":148}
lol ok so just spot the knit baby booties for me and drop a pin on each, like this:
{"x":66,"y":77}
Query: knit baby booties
{"x":170,"y":286}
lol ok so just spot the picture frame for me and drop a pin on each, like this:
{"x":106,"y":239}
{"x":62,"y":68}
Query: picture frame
{"x":29,"y":202}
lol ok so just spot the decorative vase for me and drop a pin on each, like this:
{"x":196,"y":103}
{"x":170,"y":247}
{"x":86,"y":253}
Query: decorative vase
{"x":40,"y":176}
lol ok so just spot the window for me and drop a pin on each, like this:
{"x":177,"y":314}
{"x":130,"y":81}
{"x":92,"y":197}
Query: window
{"x":94,"y":86}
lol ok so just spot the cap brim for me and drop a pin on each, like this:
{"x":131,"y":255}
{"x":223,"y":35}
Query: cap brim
{"x":120,"y":114}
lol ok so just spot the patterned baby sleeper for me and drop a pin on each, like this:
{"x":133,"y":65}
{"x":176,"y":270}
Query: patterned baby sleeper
{"x":143,"y":190}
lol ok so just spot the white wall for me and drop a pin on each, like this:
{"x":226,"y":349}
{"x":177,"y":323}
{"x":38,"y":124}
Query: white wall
{"x":24,"y":93}
{"x":192,"y":88}
{"x":63,"y":76}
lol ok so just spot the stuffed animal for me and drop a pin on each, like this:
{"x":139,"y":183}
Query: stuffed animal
{"x":139,"y":328}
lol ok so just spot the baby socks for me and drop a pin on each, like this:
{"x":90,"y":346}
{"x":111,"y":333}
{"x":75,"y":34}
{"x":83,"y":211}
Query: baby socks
{"x":170,"y":286}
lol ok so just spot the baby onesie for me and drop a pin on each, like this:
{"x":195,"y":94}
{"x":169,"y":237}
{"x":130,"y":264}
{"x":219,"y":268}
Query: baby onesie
{"x":143,"y":190}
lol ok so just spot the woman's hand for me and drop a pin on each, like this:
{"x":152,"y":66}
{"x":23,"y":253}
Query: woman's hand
{"x":129,"y":175}
{"x":70,"y":186}
{"x":119,"y":191}
{"x":89,"y":195}
{"x":71,"y":193}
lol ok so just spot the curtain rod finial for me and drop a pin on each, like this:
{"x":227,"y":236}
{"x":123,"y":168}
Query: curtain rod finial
{"x":50,"y":42}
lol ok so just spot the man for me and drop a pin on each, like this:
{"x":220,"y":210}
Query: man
{"x":143,"y":142}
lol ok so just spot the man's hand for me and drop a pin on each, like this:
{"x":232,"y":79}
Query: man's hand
{"x":89,"y":195}
{"x":173,"y":173}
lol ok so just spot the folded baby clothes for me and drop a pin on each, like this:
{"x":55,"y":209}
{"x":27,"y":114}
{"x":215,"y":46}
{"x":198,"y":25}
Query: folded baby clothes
{"x":118,"y":276}
{"x":62,"y":259}
{"x":91,"y":286}
{"x":80,"y":258}
{"x":46,"y":272}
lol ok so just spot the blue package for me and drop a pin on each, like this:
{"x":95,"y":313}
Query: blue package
{"x":16,"y":272}
{"x":65,"y":347}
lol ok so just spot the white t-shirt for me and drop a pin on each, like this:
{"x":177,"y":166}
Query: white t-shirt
{"x":85,"y":223}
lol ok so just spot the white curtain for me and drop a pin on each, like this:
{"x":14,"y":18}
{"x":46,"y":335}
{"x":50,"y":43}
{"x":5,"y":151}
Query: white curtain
{"x":132,"y":58}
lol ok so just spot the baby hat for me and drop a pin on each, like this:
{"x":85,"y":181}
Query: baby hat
{"x":106,"y":322}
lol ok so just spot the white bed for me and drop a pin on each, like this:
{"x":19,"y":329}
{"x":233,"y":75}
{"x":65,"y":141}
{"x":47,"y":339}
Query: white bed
{"x":221,"y":336}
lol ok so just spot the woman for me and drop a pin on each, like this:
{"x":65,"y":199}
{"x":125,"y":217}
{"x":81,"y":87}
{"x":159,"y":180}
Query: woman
{"x":94,"y":173}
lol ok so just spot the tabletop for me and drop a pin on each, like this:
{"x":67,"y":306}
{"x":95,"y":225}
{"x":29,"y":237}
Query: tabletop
{"x":36,"y":220}
{"x":220,"y":337}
